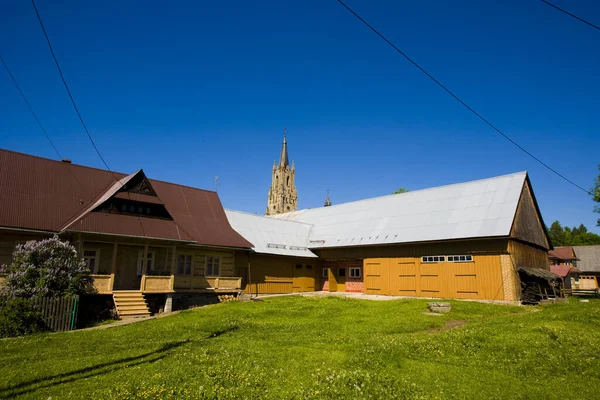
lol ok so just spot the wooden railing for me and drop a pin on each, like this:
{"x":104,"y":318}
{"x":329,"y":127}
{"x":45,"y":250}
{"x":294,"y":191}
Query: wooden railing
{"x":210,"y":283}
{"x":157,"y":284}
{"x":104,"y":283}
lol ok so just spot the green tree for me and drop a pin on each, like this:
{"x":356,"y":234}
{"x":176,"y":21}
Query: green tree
{"x":556,"y":233}
{"x":401,"y":190}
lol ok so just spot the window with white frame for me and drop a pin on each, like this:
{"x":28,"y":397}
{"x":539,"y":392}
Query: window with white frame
{"x":184,"y":264}
{"x":149,"y":267}
{"x":355,"y":272}
{"x":213,"y":266}
{"x":92,"y":259}
{"x":433,"y":259}
{"x":325,"y":273}
{"x":465,"y":258}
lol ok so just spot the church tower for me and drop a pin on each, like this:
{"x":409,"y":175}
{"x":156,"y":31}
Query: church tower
{"x":282,"y":195}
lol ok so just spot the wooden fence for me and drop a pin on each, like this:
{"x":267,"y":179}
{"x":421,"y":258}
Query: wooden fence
{"x":60,"y":314}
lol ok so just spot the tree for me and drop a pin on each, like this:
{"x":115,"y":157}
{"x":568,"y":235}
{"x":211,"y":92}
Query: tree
{"x":596,"y":193}
{"x":401,"y":190}
{"x":46,"y":268}
{"x":576,"y":236}
{"x":556,"y":233}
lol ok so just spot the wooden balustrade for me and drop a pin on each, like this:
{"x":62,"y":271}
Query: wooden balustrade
{"x":104,"y":283}
{"x":157,"y":284}
{"x":201,"y":283}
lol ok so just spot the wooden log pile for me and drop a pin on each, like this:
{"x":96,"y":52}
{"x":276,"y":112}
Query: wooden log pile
{"x":224,"y":298}
{"x":538,"y":284}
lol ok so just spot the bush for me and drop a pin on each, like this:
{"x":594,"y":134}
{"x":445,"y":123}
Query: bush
{"x":18,"y":318}
{"x":46,"y":268}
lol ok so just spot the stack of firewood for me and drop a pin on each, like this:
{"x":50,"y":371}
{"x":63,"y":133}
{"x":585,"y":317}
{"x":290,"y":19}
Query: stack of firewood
{"x":531,"y":292}
{"x":224,"y":298}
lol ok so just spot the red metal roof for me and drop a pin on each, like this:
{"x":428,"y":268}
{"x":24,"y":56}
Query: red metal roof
{"x":562,"y":253}
{"x":563,"y":270}
{"x":42,"y":194}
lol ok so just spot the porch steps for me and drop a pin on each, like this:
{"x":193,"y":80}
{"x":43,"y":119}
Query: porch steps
{"x":130,"y":304}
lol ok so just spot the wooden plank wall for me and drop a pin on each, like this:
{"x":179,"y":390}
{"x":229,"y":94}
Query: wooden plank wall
{"x":408,"y":276}
{"x":488,"y":246}
{"x":524,"y":255}
{"x":8,"y":241}
{"x":527,"y":225}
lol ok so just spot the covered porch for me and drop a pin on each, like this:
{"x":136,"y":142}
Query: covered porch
{"x":157,"y":266}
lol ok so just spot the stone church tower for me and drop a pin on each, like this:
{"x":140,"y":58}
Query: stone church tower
{"x":282,"y":195}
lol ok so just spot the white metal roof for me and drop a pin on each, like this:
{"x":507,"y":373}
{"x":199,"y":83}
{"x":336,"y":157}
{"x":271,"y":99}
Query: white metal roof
{"x":272,"y":236}
{"x":483,"y":208}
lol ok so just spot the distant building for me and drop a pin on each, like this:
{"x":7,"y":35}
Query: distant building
{"x":562,"y":256}
{"x":589,"y":258}
{"x":282,"y":195}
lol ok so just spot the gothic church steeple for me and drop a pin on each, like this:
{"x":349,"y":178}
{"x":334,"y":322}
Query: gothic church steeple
{"x":282,"y":195}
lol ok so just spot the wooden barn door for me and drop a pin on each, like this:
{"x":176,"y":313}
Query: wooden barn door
{"x":377,"y":278}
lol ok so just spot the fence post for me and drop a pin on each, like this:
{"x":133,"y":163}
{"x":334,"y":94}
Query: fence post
{"x":74,"y":315}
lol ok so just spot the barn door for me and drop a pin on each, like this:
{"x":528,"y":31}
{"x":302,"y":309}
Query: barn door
{"x":377,"y":276}
{"x":333,"y":285}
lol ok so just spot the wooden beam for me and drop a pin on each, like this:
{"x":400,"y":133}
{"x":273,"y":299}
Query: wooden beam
{"x":173,"y":259}
{"x":144,"y":258}
{"x":114,"y":258}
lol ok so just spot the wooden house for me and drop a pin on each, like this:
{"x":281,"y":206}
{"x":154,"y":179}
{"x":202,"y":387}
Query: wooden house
{"x":459,"y":241}
{"x":138,"y":236}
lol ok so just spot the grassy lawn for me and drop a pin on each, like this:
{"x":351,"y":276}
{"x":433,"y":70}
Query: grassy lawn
{"x":292,"y":347}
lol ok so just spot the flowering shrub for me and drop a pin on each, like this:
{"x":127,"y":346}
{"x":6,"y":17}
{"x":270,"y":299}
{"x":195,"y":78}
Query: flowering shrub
{"x":46,"y":268}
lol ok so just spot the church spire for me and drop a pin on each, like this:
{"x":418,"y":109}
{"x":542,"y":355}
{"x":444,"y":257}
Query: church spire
{"x":283,"y":160}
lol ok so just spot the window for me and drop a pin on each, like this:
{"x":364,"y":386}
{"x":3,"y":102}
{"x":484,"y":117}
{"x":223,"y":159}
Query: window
{"x":149,"y":263}
{"x":342,"y":272}
{"x":184,"y":264}
{"x":433,"y":259}
{"x":465,"y":258}
{"x":298,"y":266}
{"x":354,"y":272}
{"x":213,"y":266}
{"x":91,"y":260}
{"x":325,"y":273}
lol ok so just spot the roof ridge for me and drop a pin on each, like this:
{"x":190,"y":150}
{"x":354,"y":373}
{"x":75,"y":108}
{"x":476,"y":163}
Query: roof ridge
{"x":101,"y":169}
{"x":267,"y":217}
{"x":404,"y":194}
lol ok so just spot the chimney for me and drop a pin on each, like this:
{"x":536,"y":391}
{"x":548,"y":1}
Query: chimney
{"x":66,"y":161}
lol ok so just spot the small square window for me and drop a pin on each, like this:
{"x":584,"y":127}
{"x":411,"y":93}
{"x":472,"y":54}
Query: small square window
{"x":354,"y":272}
{"x":342,"y":272}
{"x":298,"y":266}
{"x":325,"y":273}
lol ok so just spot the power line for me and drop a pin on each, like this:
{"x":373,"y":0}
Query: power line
{"x":571,"y":15}
{"x":67,"y":88}
{"x":75,"y":105}
{"x":30,"y":108}
{"x":459,"y":99}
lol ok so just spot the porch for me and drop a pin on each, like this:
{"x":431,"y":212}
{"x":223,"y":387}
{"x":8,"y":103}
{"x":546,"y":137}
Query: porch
{"x":152,"y":284}
{"x":154,"y":267}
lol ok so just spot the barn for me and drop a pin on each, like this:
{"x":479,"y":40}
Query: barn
{"x":464,"y":240}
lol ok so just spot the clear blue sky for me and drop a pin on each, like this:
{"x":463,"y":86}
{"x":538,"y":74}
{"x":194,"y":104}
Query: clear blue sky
{"x":191,"y":90}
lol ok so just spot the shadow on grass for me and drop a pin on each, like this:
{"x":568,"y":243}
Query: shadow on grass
{"x":222,"y":332}
{"x":88,"y":372}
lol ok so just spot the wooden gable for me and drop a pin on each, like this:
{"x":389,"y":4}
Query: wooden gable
{"x":528,"y":225}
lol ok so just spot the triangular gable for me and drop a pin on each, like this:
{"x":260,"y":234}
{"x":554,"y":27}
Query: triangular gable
{"x":136,"y":183}
{"x":528,"y":225}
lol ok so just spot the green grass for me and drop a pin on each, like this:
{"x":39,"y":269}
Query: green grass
{"x":292,"y":347}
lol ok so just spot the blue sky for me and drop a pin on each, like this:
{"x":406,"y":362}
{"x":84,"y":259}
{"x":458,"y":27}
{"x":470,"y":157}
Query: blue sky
{"x":193,"y":90}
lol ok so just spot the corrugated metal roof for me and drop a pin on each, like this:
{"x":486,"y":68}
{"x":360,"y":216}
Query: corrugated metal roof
{"x":272,"y":236}
{"x":483,"y":208}
{"x":42,"y":194}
